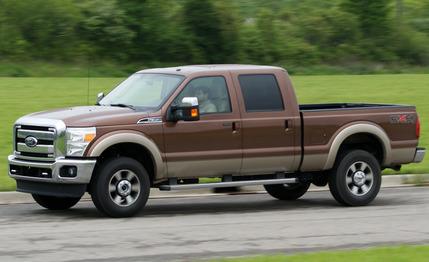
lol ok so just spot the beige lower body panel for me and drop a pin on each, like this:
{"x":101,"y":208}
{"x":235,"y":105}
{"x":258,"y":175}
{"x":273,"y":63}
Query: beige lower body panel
{"x":204,"y":168}
{"x":403,"y":155}
{"x":220,"y":167}
{"x":314,"y":162}
{"x":317,"y":162}
{"x":267,"y":165}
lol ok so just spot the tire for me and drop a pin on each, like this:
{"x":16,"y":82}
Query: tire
{"x":121,"y":187}
{"x":287,"y":192}
{"x":55,"y":203}
{"x":355,"y":179}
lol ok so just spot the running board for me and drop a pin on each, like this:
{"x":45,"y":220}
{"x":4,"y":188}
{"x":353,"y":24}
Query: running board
{"x":229,"y":184}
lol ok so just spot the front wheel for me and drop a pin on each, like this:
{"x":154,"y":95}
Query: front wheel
{"x":287,"y":191}
{"x":355,"y":179}
{"x":121,"y":187}
{"x":55,"y":203}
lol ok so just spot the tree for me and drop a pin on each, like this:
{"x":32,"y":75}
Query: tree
{"x":159,"y":32}
{"x":375,"y":24}
{"x":332,"y":31}
{"x":12,"y":43}
{"x":374,"y":16}
{"x":47,"y":26}
{"x":213,"y":28}
{"x":102,"y":25}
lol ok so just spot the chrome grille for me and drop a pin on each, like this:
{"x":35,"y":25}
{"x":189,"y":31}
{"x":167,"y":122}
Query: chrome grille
{"x":43,"y":150}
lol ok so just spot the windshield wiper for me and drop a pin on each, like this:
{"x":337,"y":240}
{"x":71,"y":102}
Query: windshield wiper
{"x":123,"y":105}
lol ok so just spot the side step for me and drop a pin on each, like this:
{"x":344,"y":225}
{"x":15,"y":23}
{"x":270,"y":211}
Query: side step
{"x":229,"y":184}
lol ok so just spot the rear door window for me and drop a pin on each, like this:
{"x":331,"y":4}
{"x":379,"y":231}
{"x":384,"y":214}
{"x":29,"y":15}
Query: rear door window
{"x":261,"y":93}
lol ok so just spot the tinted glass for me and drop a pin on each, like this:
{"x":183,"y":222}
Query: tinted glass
{"x":143,"y":90}
{"x":212,"y":94}
{"x":261,"y":93}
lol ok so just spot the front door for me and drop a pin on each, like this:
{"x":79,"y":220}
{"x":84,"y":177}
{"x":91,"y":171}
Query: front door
{"x":210,"y":146}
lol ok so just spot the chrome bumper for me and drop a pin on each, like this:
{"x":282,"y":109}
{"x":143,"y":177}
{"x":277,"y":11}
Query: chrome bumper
{"x":84,"y":170}
{"x":420,"y":155}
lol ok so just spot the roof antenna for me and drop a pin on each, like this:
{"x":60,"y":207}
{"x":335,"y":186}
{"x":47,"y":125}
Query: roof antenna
{"x":87,"y":89}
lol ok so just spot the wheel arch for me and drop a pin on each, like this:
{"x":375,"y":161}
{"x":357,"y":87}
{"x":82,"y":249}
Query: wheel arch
{"x":364,"y":129}
{"x":132,"y":138}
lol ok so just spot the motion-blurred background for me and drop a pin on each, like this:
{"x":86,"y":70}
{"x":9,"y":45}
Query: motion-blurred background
{"x":51,"y":51}
{"x":60,"y":37}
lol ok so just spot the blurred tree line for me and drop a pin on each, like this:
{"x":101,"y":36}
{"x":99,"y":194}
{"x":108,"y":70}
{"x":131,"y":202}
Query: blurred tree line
{"x":154,"y":32}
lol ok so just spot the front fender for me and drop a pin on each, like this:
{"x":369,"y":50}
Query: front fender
{"x":129,"y":136}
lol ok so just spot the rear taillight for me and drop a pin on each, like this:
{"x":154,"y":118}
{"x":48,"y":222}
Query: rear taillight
{"x":418,"y":127}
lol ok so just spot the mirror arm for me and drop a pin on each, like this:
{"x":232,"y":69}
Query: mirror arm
{"x":100,"y":96}
{"x":171,"y":114}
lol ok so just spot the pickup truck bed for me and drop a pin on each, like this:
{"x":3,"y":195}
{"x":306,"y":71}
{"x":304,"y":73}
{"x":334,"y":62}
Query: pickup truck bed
{"x":390,"y":127}
{"x":338,"y":106}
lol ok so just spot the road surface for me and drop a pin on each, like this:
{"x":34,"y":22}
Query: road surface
{"x":195,"y":228}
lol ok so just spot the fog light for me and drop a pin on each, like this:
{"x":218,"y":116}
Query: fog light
{"x":68,"y":171}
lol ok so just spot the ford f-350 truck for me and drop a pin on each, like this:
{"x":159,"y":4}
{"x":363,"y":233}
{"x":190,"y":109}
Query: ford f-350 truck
{"x":166,"y":128}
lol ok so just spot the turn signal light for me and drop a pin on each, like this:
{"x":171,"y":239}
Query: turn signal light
{"x":89,"y":137}
{"x":194,"y":112}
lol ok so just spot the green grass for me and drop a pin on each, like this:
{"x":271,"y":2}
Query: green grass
{"x":391,"y":254}
{"x":20,"y":96}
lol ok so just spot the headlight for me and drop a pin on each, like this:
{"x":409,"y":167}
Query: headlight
{"x":77,"y":139}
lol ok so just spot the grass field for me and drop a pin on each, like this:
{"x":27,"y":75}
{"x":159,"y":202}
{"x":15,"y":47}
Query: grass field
{"x":391,"y":254}
{"x":20,"y":96}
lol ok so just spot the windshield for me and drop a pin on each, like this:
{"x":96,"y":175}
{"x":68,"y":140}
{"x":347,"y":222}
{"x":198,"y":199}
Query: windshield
{"x":148,"y":91}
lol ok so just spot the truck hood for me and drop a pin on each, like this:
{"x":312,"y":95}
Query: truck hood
{"x":92,"y":116}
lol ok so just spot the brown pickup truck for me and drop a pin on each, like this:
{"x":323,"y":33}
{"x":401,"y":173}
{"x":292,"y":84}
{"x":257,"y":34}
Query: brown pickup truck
{"x":166,"y":128}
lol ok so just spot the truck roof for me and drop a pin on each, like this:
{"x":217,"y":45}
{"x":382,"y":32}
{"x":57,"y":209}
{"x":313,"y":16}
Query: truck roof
{"x":190,"y":69}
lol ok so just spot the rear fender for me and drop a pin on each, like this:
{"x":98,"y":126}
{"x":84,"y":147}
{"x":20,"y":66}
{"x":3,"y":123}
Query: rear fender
{"x":358,"y":128}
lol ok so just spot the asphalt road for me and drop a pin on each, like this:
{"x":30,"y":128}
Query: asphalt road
{"x":213,"y":226}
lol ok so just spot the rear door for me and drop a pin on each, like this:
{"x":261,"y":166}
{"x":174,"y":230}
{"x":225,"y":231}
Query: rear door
{"x":270,"y":125}
{"x":210,"y":146}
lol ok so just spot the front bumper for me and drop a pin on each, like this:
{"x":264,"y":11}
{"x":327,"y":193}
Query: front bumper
{"x":49,"y":172}
{"x":420,"y":155}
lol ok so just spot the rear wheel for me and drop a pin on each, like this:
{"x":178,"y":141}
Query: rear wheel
{"x":121,"y":187}
{"x":287,"y":191}
{"x":355,"y":179}
{"x":55,"y":203}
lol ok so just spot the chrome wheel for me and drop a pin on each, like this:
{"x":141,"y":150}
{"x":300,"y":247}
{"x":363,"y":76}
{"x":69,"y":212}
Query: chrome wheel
{"x":359,"y":178}
{"x":124,"y":187}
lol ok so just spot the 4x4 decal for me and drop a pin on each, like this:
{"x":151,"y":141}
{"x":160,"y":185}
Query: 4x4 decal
{"x":403,"y":119}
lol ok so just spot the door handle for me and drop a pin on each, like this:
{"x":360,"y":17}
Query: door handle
{"x":234,"y":128}
{"x":233,"y":125}
{"x":287,"y":125}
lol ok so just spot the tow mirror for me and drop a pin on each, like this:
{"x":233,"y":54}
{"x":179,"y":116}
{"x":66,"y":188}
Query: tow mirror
{"x":100,"y":96}
{"x":188,"y":110}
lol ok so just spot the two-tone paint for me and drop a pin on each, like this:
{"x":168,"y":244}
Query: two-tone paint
{"x":296,"y":139}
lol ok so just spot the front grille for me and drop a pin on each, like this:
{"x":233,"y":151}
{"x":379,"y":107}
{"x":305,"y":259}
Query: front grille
{"x":42,"y":146}
{"x":39,"y":128}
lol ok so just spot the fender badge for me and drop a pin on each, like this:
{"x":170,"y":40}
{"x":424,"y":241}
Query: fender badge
{"x":149,"y":120}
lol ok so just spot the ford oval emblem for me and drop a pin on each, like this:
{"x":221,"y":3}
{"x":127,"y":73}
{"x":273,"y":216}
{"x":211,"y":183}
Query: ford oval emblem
{"x":31,"y":141}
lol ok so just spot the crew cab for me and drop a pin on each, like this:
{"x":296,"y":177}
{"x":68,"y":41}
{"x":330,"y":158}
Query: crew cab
{"x":168,"y":127}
